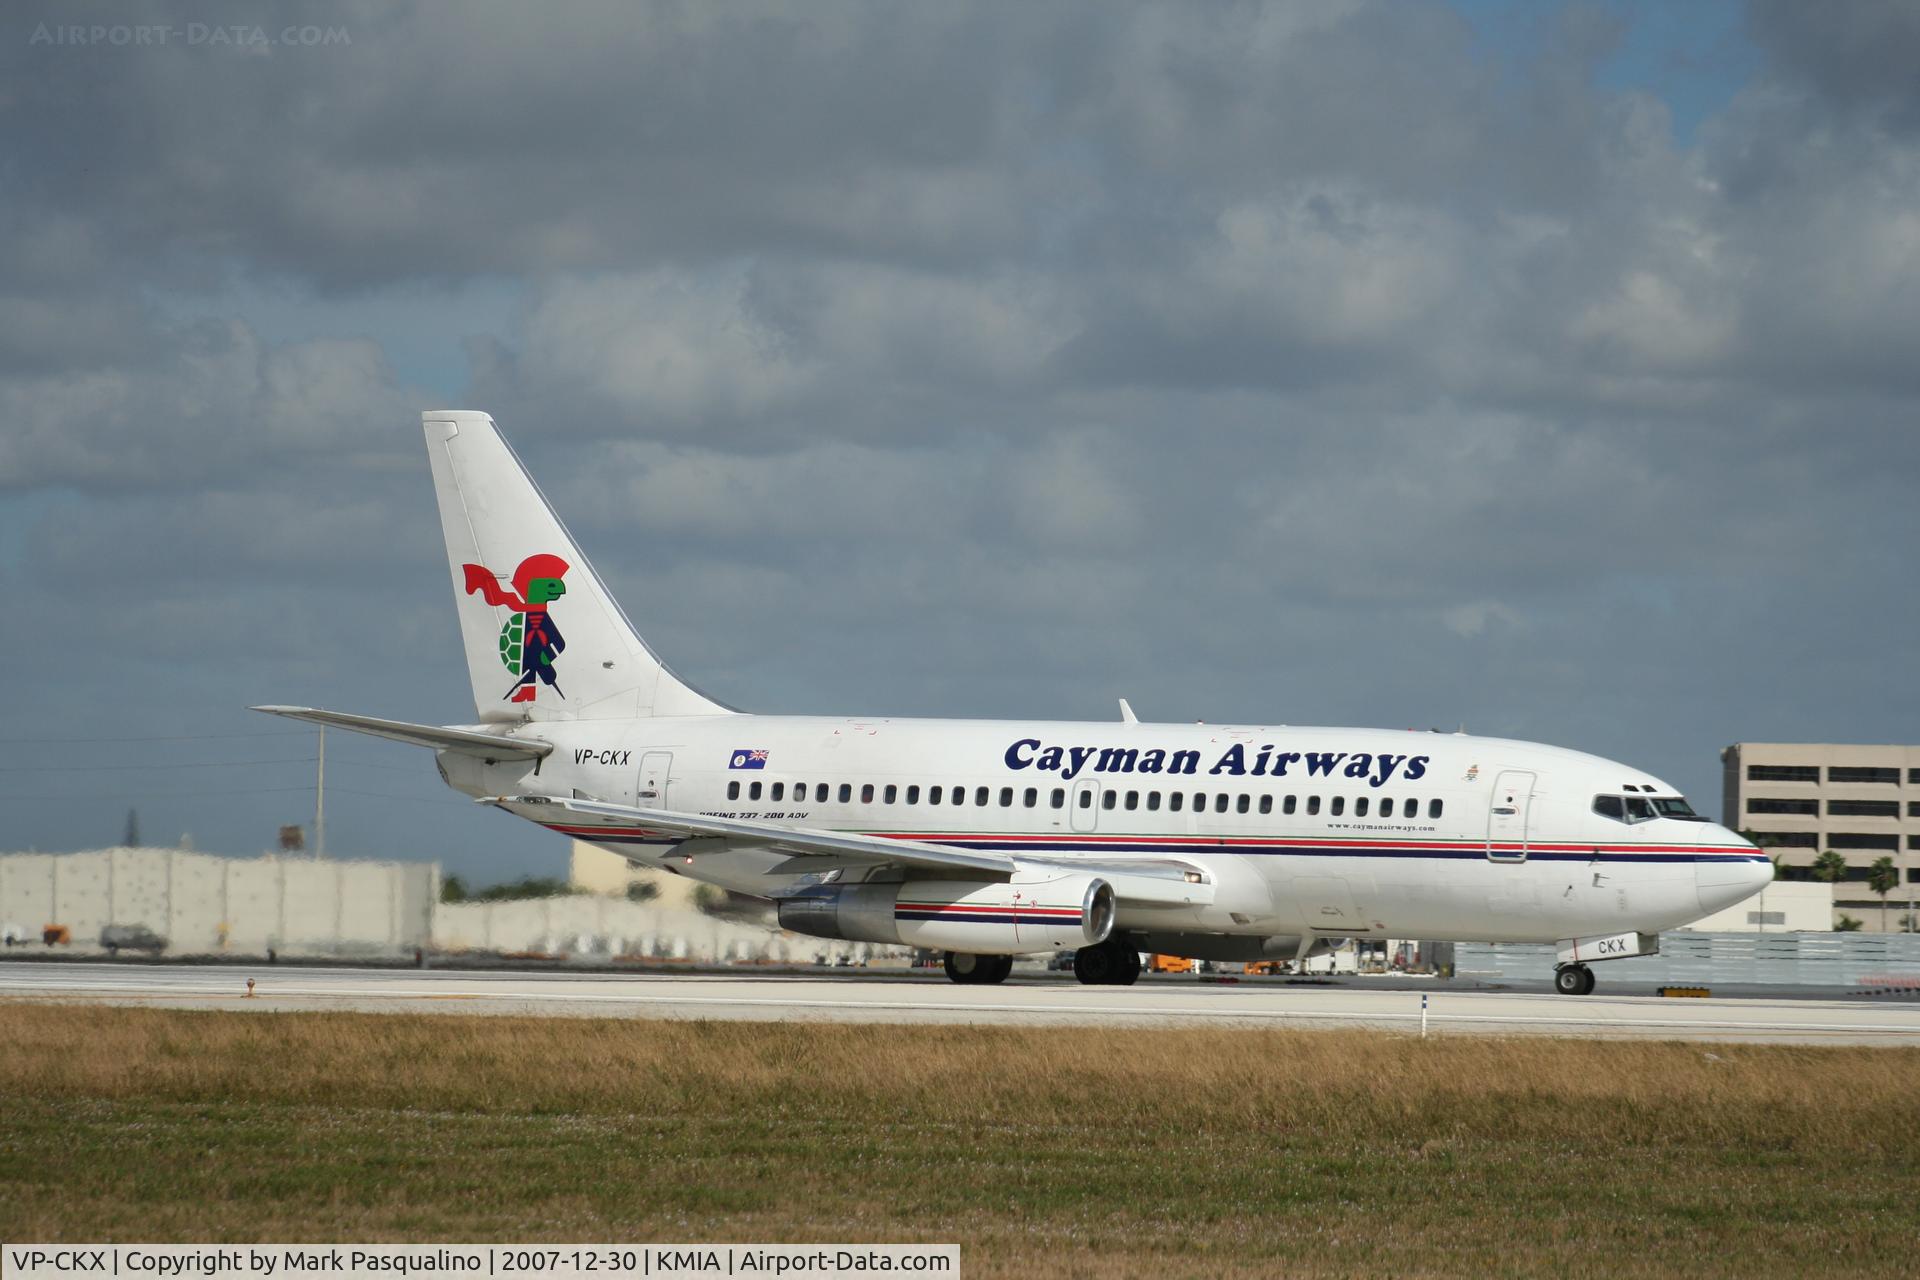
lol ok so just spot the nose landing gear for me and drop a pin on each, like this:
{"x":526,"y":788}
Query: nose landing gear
{"x":1573,"y":980}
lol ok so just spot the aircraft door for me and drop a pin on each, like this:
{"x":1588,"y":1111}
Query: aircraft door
{"x":650,"y":789}
{"x":1507,"y":816}
{"x":1086,"y":805}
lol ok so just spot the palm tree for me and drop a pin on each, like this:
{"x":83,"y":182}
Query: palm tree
{"x":1831,"y":868}
{"x":1883,"y":878}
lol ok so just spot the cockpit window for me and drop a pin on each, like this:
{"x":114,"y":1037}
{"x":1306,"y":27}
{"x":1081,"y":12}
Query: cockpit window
{"x":1644,"y":808}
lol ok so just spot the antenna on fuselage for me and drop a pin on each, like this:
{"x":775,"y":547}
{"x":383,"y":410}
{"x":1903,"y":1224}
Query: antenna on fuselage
{"x":1126,"y":713}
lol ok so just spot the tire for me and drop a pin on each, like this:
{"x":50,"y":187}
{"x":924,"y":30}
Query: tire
{"x":964,"y":967}
{"x":998,"y":971}
{"x":1573,"y":980}
{"x":1129,"y":970}
{"x":1093,"y":965}
{"x":1586,"y":981}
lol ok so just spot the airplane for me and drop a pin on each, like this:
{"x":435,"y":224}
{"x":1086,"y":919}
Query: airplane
{"x":986,"y":840}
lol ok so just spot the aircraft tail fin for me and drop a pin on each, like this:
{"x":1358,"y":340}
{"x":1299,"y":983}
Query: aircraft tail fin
{"x":545,"y":639}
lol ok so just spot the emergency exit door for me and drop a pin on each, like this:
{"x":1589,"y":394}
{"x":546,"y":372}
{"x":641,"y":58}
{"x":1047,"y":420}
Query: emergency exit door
{"x":1086,"y":805}
{"x":650,"y":789}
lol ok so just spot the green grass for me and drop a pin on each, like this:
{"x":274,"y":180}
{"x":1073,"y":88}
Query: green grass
{"x":1058,"y":1152}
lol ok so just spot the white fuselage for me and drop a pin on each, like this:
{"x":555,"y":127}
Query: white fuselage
{"x":1304,"y":831}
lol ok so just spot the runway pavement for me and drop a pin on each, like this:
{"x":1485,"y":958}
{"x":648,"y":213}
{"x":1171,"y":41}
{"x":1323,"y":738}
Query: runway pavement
{"x":859,"y":997}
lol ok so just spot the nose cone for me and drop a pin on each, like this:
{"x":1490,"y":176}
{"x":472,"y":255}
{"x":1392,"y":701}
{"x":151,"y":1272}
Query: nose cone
{"x":1730,"y":875}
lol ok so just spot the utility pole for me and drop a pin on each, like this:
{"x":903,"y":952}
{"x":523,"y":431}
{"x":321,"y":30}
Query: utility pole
{"x":320,"y":802}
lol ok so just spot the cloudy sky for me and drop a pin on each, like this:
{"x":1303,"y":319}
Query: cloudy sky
{"x":1553,"y":370}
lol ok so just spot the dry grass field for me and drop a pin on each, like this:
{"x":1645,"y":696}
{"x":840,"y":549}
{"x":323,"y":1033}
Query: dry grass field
{"x":1049,"y":1152}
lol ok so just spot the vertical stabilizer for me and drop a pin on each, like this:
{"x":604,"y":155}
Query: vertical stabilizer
{"x":545,"y":640}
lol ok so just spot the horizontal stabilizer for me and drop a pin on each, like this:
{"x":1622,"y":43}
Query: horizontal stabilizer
{"x":472,"y":742}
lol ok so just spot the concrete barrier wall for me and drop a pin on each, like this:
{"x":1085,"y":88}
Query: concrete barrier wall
{"x":593,"y":926}
{"x":202,"y":904}
{"x":1861,"y":960}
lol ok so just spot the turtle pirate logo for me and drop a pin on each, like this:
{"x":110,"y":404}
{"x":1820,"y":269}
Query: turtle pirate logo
{"x":529,"y":642}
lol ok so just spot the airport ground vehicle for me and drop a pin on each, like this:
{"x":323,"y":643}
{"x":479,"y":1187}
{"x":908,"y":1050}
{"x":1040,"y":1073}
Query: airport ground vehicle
{"x":131,"y":937}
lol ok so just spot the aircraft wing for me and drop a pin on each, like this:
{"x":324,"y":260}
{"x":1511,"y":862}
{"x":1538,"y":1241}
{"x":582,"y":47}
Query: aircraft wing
{"x":472,"y":742}
{"x":1147,"y":882}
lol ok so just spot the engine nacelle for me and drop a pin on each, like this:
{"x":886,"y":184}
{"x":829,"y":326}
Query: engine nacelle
{"x":1030,"y":913}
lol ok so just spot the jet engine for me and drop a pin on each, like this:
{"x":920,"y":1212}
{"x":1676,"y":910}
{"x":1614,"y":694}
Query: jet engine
{"x":1025,"y":915}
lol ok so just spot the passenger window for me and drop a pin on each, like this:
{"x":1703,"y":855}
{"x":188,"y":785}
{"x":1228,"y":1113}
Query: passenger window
{"x":933,"y":795}
{"x":1220,"y":802}
{"x":778,"y":792}
{"x":820,"y":794}
{"x":1360,"y":807}
{"x":1610,"y":807}
{"x":980,"y":797}
{"x":1242,"y":804}
{"x":1006,"y":797}
{"x":733,"y":789}
{"x":1175,"y":799}
{"x":1133,"y":800}
{"x":1059,"y":798}
{"x":846,"y":792}
{"x":1338,"y":806}
{"x":1199,"y":802}
{"x":1086,"y":799}
{"x":753,"y":791}
{"x":913,"y":795}
{"x":1313,"y":805}
{"x":866,"y":793}
{"x":1031,"y":797}
{"x":1110,"y":799}
{"x":1433,"y":808}
{"x":959,"y":795}
{"x":1153,"y":800}
{"x":1266,"y":804}
{"x":892,"y":793}
{"x":1287,"y":805}
{"x":1386,"y":806}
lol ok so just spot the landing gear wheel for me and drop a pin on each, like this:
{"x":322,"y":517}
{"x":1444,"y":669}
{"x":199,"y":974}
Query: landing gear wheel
{"x":966,"y":968}
{"x":1094,"y":966}
{"x":1573,"y":980}
{"x":996,"y":970}
{"x":1111,"y":963}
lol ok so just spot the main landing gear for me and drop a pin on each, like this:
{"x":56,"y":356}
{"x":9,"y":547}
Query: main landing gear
{"x":969,"y":969}
{"x":1110,"y":963}
{"x":1573,"y":980}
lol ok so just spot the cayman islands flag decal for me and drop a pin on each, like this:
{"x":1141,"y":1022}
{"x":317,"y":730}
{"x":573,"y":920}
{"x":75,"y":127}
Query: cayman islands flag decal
{"x":748,"y":760}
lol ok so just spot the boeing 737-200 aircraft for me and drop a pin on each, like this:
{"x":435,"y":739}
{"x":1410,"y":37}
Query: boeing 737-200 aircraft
{"x":988,"y":839}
